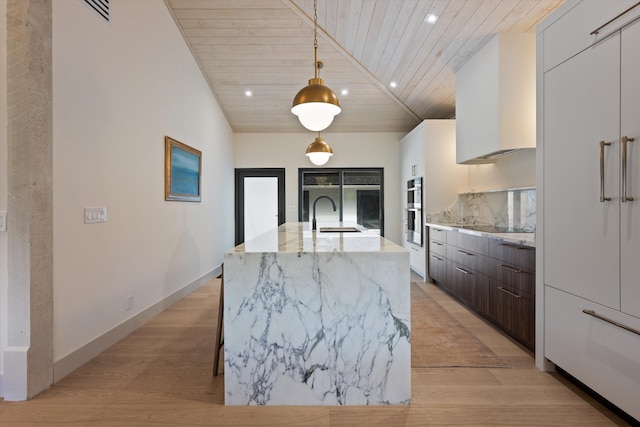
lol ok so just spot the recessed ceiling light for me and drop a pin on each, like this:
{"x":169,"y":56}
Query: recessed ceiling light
{"x":393,"y":84}
{"x":248,"y":93}
{"x":431,"y":18}
{"x":344,"y":92}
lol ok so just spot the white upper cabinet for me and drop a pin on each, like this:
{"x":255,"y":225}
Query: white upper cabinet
{"x":584,"y":25}
{"x":412,"y":154}
{"x":428,"y":152}
{"x":496,"y":99}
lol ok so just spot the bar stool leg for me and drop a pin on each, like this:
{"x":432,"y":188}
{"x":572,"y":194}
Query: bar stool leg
{"x":219,"y":337}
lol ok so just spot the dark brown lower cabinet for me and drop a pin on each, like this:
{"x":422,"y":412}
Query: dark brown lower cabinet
{"x":437,"y":267}
{"x":515,"y":312}
{"x":480,"y":298}
{"x":469,"y":286}
{"x":494,"y":278}
{"x":492,"y":302}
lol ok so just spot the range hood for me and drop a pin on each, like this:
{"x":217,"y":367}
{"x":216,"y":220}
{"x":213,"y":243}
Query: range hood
{"x":491,"y":157}
{"x":496,"y":100}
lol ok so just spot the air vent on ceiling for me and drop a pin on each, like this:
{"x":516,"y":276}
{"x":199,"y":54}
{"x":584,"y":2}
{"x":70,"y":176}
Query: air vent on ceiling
{"x":101,"y":7}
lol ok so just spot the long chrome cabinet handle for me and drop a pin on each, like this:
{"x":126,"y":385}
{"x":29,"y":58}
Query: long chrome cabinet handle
{"x":602,"y":198}
{"x":515,"y":270}
{"x":613,"y":322}
{"x":500,"y":288}
{"x":463,"y":271}
{"x":624,"y":141}
{"x":519,"y":248}
{"x":436,"y":258}
{"x":612,"y":19}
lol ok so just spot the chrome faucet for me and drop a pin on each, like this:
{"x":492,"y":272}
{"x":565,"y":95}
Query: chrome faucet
{"x":313,"y":226}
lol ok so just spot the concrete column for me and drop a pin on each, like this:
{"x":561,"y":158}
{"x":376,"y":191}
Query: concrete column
{"x":28,"y":362}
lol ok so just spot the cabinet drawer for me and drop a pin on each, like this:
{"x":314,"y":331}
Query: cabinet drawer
{"x":417,"y":259}
{"x":520,"y":256}
{"x":603,"y":356}
{"x":570,"y":34}
{"x":468,"y":259}
{"x":469,"y":286}
{"x":469,"y":242}
{"x":515,"y":313}
{"x":437,"y":268}
{"x":436,"y":247}
{"x":514,"y":279}
{"x":438,"y":234}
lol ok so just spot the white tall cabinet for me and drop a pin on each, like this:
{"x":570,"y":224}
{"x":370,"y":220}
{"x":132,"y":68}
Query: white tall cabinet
{"x":429,"y":152}
{"x":630,"y":214}
{"x":588,"y":111}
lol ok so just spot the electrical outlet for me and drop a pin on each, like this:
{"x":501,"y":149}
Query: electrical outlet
{"x":94,"y":215}
{"x":129,"y":303}
{"x":3,"y":220}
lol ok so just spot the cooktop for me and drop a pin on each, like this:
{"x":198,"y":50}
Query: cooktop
{"x":495,"y":229}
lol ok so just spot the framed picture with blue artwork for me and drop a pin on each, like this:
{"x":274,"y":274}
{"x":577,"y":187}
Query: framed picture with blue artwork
{"x":182,"y":171}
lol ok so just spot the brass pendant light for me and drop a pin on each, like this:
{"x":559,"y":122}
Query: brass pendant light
{"x":316,"y":104}
{"x":319,"y":151}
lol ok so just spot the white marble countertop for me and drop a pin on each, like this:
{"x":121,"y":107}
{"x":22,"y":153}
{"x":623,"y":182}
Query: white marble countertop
{"x":294,"y":237}
{"x":527,"y":239}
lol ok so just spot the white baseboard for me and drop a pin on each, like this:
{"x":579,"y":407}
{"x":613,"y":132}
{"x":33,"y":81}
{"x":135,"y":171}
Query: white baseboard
{"x":419,"y":273}
{"x":14,"y":380}
{"x":71,"y":362}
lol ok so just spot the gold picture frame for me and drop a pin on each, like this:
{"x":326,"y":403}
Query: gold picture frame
{"x":182,"y":171}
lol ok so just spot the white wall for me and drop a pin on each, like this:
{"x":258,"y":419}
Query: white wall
{"x":3,"y":185}
{"x":515,"y":170}
{"x":287,"y":151}
{"x":118,"y":89}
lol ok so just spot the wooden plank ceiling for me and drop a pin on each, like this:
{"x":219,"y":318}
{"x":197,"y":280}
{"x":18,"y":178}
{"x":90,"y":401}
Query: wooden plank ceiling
{"x":266,"y":47}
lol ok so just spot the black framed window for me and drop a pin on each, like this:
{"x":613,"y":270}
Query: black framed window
{"x":357,"y":192}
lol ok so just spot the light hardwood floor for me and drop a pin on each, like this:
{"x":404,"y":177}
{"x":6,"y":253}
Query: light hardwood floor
{"x":160,"y":375}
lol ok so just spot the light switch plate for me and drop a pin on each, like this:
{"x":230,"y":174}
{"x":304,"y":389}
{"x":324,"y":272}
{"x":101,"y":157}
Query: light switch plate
{"x":94,"y":215}
{"x":3,"y":220}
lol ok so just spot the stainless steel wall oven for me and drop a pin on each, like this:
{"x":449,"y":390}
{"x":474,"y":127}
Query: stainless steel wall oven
{"x":414,"y":211}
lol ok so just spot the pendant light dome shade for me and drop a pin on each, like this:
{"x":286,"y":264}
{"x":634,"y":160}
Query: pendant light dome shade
{"x":316,"y":105}
{"x":319,"y":152}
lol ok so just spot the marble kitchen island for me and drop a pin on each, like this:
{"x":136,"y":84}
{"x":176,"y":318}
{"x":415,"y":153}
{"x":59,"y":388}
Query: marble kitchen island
{"x":317,"y":318}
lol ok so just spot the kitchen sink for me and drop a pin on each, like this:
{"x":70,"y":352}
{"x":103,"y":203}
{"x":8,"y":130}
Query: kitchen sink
{"x":339,"y":230}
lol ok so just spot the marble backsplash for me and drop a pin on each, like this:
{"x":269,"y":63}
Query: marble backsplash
{"x":506,"y":208}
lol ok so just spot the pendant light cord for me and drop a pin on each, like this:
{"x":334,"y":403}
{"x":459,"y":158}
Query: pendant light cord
{"x":315,"y":37}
